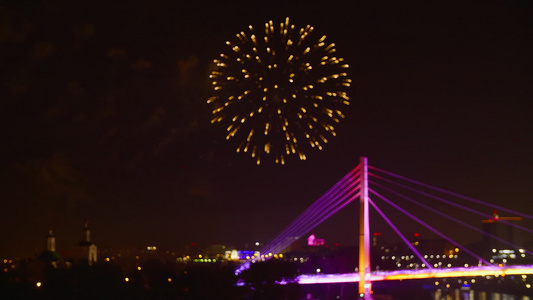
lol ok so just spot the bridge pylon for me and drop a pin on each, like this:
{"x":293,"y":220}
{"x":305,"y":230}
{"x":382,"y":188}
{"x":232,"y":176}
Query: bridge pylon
{"x":365,"y":285}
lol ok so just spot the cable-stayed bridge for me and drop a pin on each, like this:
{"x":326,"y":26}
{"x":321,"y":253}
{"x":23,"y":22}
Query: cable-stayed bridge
{"x":365,"y":180}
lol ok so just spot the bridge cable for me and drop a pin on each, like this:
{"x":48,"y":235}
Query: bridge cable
{"x":302,"y":224}
{"x":454,"y":194}
{"x":449,"y":217}
{"x":404,"y":239}
{"x":318,"y":210}
{"x":449,"y":202}
{"x":430,"y":227}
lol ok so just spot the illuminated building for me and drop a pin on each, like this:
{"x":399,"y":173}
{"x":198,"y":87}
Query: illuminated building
{"x":313,"y":241}
{"x":88,"y":249}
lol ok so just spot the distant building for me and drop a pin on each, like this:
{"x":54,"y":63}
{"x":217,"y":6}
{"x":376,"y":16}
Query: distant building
{"x":313,"y":241}
{"x":215,"y":251}
{"x":500,"y":227}
{"x":88,"y":250}
{"x":50,"y":256}
{"x":376,"y":237}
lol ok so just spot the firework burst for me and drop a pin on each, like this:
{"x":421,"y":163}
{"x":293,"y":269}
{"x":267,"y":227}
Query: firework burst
{"x":279,"y":92}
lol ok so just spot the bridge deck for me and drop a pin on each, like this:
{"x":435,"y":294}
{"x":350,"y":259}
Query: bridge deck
{"x":419,"y":274}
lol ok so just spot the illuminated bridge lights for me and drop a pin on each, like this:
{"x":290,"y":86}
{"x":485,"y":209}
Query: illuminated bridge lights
{"x":419,"y":274}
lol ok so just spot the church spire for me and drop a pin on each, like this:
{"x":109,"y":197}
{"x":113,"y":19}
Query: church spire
{"x":49,"y":255}
{"x":86,"y":232}
{"x":88,"y":249}
{"x":50,"y":240}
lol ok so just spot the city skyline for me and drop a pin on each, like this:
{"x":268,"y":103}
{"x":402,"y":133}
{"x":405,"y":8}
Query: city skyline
{"x":106,"y":117}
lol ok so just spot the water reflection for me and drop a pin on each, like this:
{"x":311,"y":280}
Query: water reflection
{"x":460,"y":294}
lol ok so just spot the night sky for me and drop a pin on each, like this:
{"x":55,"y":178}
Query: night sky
{"x":103,"y":106}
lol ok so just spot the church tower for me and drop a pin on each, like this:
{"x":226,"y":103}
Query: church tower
{"x":50,"y":240}
{"x":49,"y":255}
{"x":88,"y":249}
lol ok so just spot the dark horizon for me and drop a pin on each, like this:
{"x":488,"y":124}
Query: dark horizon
{"x":105,"y":117}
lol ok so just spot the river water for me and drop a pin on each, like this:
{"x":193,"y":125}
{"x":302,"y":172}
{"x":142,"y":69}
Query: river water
{"x":406,"y":291}
{"x":462,"y":294}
